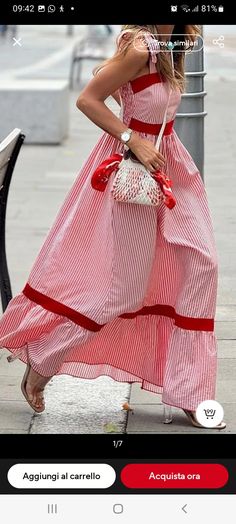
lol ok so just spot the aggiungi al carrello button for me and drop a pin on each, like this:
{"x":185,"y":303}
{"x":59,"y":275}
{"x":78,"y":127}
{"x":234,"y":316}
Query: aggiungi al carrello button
{"x":169,"y":476}
{"x":59,"y":476}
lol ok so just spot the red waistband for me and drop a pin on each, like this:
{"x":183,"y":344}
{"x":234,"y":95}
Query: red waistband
{"x":152,"y":129}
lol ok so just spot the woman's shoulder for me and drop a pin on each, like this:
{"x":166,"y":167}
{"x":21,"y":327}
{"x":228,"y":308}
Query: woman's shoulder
{"x":134,"y":46}
{"x":141,"y":44}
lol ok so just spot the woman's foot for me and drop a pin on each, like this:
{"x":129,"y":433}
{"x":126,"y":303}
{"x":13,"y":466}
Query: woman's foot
{"x":168,"y":418}
{"x":193,"y":419}
{"x":32,"y":388}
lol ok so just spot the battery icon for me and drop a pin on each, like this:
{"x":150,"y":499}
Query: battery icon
{"x":221,"y":8}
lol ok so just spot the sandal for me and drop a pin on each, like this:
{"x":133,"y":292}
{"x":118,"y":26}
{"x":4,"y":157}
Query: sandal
{"x":194,"y":422}
{"x":168,"y":418}
{"x":23,"y":389}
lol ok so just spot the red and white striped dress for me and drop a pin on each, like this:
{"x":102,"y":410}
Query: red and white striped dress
{"x":124,"y":290}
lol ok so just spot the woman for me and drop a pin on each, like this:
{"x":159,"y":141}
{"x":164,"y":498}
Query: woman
{"x":118,"y":289}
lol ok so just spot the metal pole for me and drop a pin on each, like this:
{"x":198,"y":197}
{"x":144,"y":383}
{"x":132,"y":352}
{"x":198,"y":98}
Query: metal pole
{"x":190,"y":118}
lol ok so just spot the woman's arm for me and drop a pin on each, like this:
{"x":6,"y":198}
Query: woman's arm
{"x":91,"y":102}
{"x":116,"y":97}
{"x":109,"y":79}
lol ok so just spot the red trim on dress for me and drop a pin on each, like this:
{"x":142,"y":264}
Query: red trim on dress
{"x":144,"y":81}
{"x":196,"y":324}
{"x":60,"y":309}
{"x":151,"y":129}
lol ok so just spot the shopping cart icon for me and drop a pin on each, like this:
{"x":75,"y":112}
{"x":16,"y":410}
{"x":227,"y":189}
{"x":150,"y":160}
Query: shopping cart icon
{"x":210,"y":413}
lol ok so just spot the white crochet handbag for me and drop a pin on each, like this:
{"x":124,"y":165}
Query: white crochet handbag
{"x":134,"y":184}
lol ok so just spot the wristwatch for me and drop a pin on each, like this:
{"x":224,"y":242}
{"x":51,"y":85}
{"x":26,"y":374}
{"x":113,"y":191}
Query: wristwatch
{"x":126,"y":135}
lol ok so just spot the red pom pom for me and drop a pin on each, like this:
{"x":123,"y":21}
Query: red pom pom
{"x":101,"y":174}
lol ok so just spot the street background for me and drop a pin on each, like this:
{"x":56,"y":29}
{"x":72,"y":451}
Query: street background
{"x":41,"y":180}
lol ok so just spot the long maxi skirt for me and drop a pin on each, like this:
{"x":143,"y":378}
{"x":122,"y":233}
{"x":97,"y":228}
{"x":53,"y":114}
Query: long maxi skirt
{"x":127,"y":291}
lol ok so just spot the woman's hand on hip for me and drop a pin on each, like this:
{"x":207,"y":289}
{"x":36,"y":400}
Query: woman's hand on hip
{"x":146,"y":153}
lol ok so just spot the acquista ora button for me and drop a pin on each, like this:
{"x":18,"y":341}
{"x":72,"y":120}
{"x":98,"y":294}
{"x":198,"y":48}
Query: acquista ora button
{"x":169,"y":476}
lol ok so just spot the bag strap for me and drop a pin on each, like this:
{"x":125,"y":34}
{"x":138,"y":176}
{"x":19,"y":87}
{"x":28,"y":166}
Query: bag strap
{"x":158,"y":140}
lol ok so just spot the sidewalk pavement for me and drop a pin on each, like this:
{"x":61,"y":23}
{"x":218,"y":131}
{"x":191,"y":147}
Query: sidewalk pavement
{"x":37,"y":191}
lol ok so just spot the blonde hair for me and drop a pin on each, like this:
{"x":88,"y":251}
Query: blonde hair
{"x":175,"y":78}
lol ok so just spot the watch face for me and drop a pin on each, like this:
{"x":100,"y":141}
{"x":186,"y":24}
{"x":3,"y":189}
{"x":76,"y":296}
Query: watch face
{"x":125,"y":136}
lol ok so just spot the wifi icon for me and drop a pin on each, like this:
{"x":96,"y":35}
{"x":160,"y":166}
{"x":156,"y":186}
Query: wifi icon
{"x":185,"y":8}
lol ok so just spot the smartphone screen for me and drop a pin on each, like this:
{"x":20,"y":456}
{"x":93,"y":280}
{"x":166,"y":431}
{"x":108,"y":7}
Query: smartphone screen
{"x":117,"y":264}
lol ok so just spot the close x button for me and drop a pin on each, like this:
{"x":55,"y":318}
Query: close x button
{"x":169,"y":476}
